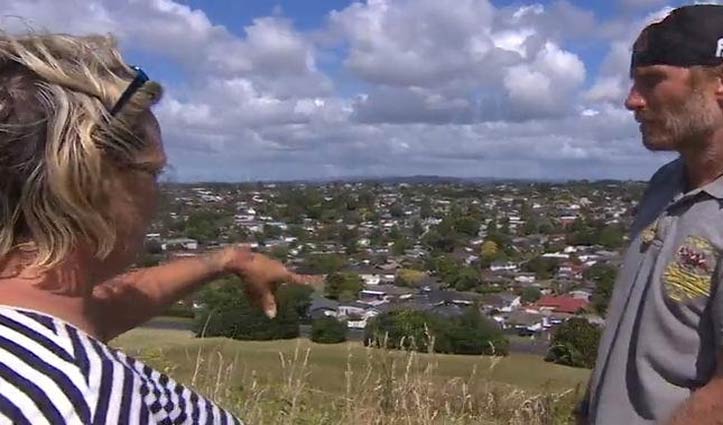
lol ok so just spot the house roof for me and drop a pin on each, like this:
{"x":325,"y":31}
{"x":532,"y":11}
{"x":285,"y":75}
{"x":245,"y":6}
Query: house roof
{"x":437,"y":296}
{"x":318,"y":302}
{"x":364,"y":269}
{"x":498,"y":300}
{"x":447,"y":310}
{"x":523,"y":318}
{"x":356,"y":304}
{"x":390,"y":289}
{"x":562,"y":304}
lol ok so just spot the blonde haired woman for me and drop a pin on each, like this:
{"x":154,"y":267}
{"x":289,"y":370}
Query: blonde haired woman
{"x":80,"y":153}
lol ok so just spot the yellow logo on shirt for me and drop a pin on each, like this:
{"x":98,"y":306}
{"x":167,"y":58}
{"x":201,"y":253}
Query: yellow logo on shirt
{"x":648,"y":235}
{"x":689,"y":275}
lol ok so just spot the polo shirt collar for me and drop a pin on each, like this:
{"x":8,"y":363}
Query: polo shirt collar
{"x":713,"y":189}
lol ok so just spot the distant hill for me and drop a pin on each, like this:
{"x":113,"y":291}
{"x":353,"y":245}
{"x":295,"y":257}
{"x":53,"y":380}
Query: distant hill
{"x":416,"y":179}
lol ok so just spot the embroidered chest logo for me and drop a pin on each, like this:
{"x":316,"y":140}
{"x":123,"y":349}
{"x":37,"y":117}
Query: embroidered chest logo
{"x":647,"y":236}
{"x":688,"y":276}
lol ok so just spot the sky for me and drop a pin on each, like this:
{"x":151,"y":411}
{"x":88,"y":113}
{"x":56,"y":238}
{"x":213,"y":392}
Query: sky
{"x":304,"y":89}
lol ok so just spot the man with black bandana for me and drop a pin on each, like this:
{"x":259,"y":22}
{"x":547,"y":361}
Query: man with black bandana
{"x":660,"y":358}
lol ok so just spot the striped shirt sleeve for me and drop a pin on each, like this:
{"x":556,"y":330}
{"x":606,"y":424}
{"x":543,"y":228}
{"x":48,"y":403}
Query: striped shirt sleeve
{"x":53,"y":373}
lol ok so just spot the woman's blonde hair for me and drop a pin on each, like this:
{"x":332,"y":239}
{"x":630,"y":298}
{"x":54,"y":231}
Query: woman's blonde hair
{"x":57,"y":139}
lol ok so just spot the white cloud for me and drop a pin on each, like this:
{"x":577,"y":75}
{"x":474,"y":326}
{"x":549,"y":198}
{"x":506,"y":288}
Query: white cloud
{"x":613,"y":80}
{"x":421,"y":43}
{"x":639,"y":4}
{"x":416,"y":87}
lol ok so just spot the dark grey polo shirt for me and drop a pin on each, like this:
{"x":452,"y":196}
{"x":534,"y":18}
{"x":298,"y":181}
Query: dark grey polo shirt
{"x":664,"y":321}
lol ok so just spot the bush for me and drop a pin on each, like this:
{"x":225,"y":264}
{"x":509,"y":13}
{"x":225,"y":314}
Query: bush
{"x":409,"y":277}
{"x":469,"y":333}
{"x":328,"y":330}
{"x":575,"y":343}
{"x":343,"y":286}
{"x":403,"y":329}
{"x":531,"y":294}
{"x":227,"y":312}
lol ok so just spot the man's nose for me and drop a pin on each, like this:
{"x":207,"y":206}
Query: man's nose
{"x":634,"y":101}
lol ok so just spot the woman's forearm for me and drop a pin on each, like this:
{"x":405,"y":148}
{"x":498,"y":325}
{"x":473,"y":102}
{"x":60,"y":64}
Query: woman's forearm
{"x":133,"y":298}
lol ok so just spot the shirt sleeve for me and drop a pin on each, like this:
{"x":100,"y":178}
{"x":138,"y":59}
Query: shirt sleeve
{"x":173,"y":402}
{"x":716,"y":305}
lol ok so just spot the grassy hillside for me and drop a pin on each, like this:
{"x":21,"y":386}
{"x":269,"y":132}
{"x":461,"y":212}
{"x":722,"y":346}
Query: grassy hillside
{"x":297,"y":381}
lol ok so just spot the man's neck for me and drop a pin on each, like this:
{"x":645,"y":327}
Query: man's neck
{"x":705,"y":164}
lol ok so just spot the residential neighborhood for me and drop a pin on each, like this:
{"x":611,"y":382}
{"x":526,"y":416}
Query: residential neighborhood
{"x":527,"y":255}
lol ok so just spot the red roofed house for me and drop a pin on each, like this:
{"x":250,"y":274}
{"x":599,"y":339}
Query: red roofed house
{"x":561,"y":304}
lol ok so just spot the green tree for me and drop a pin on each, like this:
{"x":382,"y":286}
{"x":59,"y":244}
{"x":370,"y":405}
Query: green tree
{"x":471,"y":333}
{"x":396,"y":210}
{"x":280,"y":252}
{"x":298,"y":232}
{"x":324,"y":263}
{"x":446,"y":268}
{"x":376,"y":237}
{"x":272,"y":232}
{"x":203,"y":226}
{"x":531,"y":226}
{"x":403,"y":329}
{"x":227,"y":312}
{"x":343,"y":286}
{"x":575,"y":343}
{"x":328,"y":330}
{"x":442,"y":242}
{"x":425,"y":208}
{"x":348,"y":236}
{"x":544,"y":268}
{"x":297,"y":297}
{"x":489,"y":250}
{"x":409,"y":277}
{"x":417,"y":228}
{"x":400,"y":246}
{"x":601,"y":296}
{"x":467,"y":226}
{"x":603,"y":275}
{"x":531,"y":294}
{"x":611,"y":237}
{"x":466,"y":279}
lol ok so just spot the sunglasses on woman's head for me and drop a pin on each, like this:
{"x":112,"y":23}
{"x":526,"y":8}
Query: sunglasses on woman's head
{"x":137,"y":82}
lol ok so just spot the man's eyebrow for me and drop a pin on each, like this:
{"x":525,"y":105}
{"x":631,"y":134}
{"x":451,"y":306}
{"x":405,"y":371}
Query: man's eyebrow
{"x":648,"y":73}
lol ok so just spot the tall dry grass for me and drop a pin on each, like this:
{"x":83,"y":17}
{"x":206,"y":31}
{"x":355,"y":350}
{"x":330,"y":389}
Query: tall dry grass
{"x":382,"y":389}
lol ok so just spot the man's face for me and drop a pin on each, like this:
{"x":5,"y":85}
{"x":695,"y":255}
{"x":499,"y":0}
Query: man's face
{"x":675,"y":110}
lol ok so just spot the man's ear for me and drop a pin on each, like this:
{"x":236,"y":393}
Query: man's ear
{"x":719,"y":85}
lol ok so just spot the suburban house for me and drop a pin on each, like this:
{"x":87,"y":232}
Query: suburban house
{"x":370,"y":275}
{"x":561,"y":304}
{"x":522,"y":277}
{"x":503,"y":267}
{"x":356,"y":314}
{"x":371,"y":278}
{"x":322,"y":307}
{"x":180,"y":243}
{"x":503,"y":301}
{"x":581,"y":294}
{"x":525,"y":322}
{"x":381,"y":294}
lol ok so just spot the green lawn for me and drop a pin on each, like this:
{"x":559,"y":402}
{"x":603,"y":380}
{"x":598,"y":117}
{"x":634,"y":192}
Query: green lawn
{"x":180,"y":352}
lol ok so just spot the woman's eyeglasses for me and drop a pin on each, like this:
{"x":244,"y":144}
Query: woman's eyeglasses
{"x":137,"y":82}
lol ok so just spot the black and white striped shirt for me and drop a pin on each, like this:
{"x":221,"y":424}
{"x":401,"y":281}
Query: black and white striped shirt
{"x":53,"y":373}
